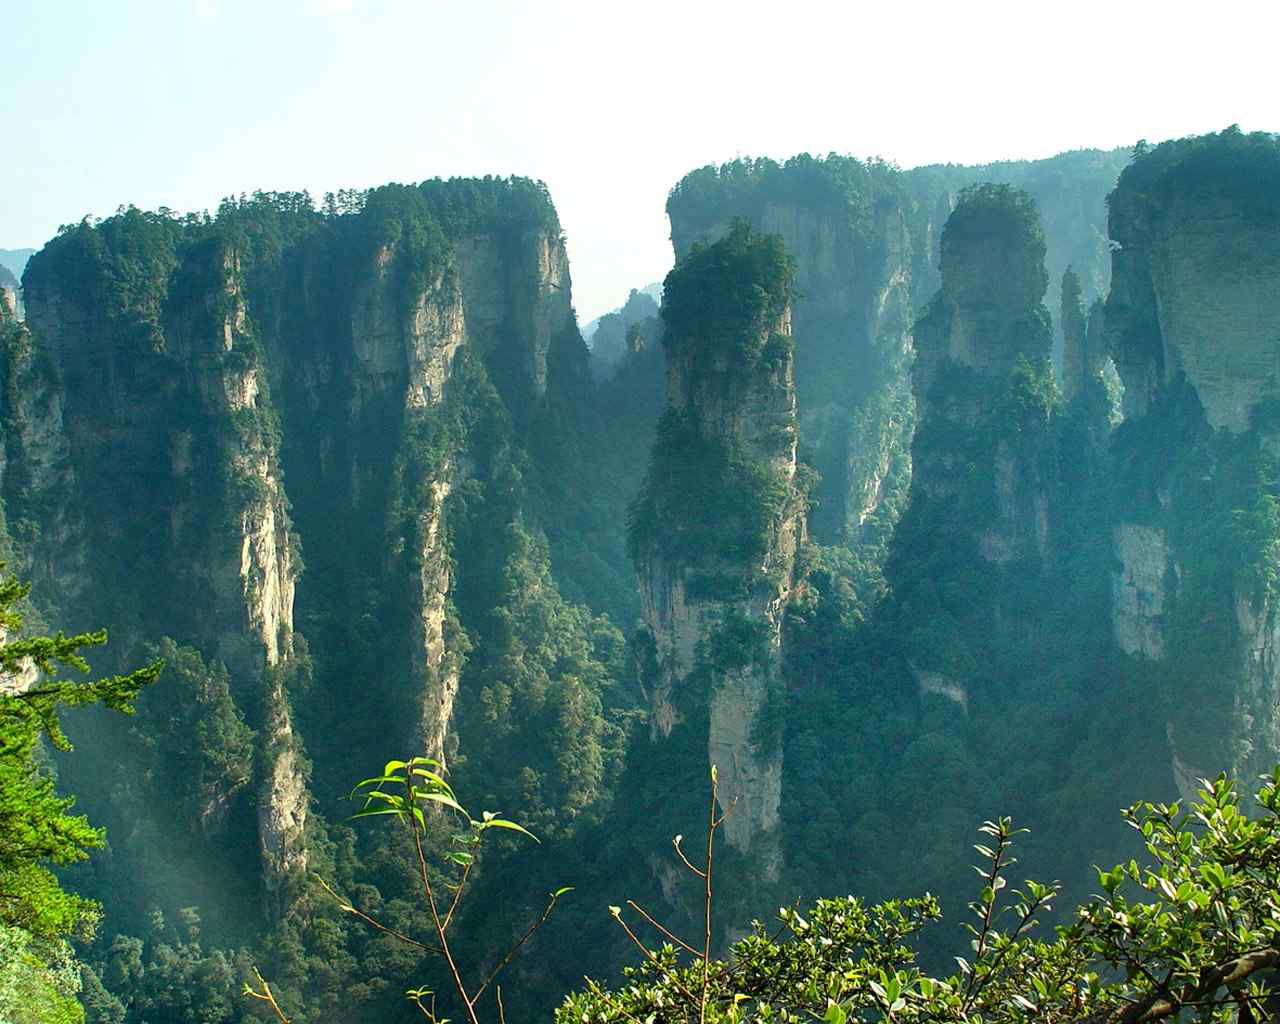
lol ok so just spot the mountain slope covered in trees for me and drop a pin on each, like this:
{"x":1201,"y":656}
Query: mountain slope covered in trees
{"x":882,"y":513}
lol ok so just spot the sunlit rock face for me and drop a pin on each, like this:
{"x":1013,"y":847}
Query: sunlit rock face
{"x":161,"y":394}
{"x":196,"y":402}
{"x":1196,"y":227}
{"x":1138,"y":589}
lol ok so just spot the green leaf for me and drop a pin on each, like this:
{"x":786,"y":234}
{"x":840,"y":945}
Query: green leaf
{"x":441,"y":798}
{"x":502,"y":823}
{"x":379,"y":780}
{"x":390,"y":798}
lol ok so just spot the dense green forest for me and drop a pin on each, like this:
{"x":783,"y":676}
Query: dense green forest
{"x":925,"y":497}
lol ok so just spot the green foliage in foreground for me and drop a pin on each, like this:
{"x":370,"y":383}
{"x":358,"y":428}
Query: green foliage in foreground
{"x":38,"y":980}
{"x":1193,"y":931}
{"x":415,"y":794}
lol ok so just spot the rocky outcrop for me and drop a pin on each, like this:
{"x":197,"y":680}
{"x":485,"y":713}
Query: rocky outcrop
{"x":1196,"y":227}
{"x":433,"y":663}
{"x":866,"y":239}
{"x":518,"y":300}
{"x":848,"y":232}
{"x":1209,"y":268}
{"x":24,"y":676}
{"x":1069,"y":190}
{"x":1138,"y":589}
{"x":194,"y":398}
{"x":161,"y":393}
{"x":282,"y":800}
{"x":981,"y":377}
{"x":9,"y":293}
{"x":989,"y":313}
{"x":718,"y":524}
{"x":158,"y":399}
{"x":1076,"y":362}
{"x":938,"y":685}
{"x":248,"y":570}
{"x":399,"y":366}
{"x":611,"y":336}
{"x":1193,"y":324}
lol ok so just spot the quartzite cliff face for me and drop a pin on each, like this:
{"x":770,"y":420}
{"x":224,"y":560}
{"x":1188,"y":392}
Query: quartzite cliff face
{"x":866,"y":239}
{"x":166,"y":465}
{"x":1193,"y":320}
{"x":717,"y":527}
{"x":196,"y":402}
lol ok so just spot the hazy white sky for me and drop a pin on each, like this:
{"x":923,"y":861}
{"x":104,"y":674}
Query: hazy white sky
{"x":180,"y":102}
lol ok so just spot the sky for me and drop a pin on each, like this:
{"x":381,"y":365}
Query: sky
{"x":181,"y":102}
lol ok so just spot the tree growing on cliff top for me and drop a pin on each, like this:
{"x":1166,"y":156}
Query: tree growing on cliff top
{"x":37,"y":973}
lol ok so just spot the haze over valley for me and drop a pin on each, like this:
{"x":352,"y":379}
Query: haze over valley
{"x":923,"y":473}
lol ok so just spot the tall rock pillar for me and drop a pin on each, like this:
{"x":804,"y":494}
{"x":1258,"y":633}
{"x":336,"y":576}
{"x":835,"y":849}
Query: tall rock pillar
{"x":981,"y":378}
{"x":714,"y":533}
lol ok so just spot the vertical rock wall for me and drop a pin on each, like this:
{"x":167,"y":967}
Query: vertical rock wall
{"x":714,"y":586}
{"x":175,"y":370}
{"x":982,"y":352}
{"x":854,"y":311}
{"x":1193,"y":324}
{"x":168,"y":463}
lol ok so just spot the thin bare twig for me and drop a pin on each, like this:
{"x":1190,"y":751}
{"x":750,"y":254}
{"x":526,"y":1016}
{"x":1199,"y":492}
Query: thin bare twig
{"x":346,"y":906}
{"x":680,"y":853}
{"x":457,"y":893}
{"x":551,"y":905}
{"x":263,"y":993}
{"x":674,"y":938}
{"x":650,"y":957}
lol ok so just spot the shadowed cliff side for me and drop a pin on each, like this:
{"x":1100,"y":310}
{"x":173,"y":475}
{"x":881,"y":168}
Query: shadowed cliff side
{"x":148,"y":372}
{"x":1194,"y":323}
{"x":387,"y":383}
